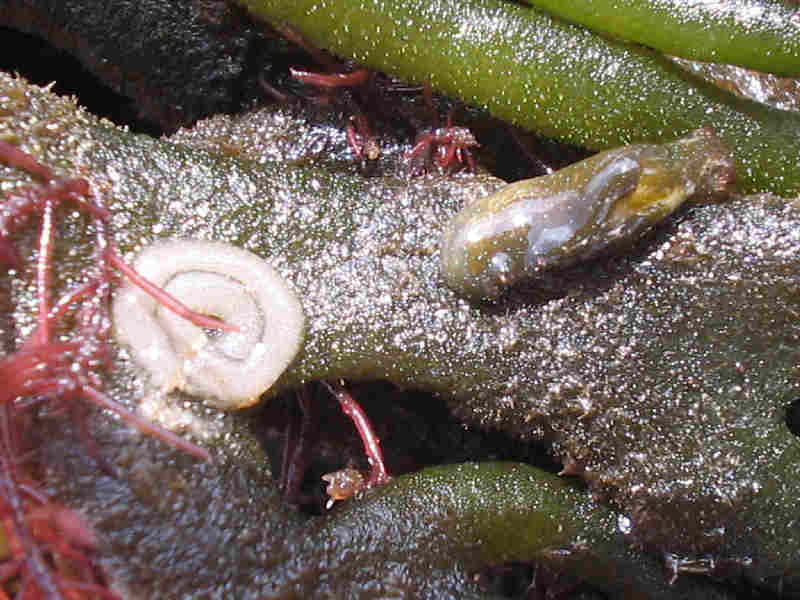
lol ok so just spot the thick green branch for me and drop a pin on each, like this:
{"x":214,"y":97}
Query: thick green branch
{"x":757,"y":34}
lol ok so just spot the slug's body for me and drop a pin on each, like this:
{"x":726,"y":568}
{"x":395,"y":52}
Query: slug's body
{"x":577,"y":212}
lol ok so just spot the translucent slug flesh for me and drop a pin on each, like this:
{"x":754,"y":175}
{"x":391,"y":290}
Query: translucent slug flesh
{"x":578,"y":212}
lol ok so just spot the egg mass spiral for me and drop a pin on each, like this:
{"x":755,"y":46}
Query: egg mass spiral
{"x":230,"y":369}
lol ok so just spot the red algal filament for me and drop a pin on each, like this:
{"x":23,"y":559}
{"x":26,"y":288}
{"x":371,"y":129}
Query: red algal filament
{"x":50,"y":547}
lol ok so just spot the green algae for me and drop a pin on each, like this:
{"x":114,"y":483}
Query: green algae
{"x":757,"y":34}
{"x":661,"y":378}
{"x":554,"y":78}
{"x":526,"y":67}
{"x":222,"y":530}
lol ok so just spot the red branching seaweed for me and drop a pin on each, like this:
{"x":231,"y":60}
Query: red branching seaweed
{"x":363,"y":93}
{"x":302,"y":436}
{"x":372,"y":445}
{"x":49,"y":548}
{"x":449,"y":144}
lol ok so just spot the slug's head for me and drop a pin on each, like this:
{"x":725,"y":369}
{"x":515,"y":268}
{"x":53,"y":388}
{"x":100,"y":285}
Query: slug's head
{"x":484,"y":249}
{"x":471,"y":266}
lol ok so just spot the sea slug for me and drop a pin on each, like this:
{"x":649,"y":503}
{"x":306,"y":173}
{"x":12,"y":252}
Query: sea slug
{"x":578,"y":212}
